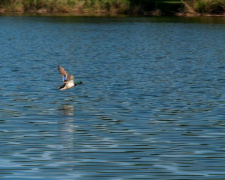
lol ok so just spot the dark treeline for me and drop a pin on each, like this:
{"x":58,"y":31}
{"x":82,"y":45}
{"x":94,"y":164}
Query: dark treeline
{"x":156,"y":7}
{"x":146,"y":7}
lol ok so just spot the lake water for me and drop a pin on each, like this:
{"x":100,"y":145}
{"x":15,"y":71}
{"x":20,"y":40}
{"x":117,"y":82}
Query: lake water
{"x":152,"y":105}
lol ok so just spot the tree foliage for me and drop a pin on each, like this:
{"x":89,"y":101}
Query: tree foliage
{"x":115,"y":6}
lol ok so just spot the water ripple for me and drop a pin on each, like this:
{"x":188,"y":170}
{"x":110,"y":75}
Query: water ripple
{"x":152,"y":106}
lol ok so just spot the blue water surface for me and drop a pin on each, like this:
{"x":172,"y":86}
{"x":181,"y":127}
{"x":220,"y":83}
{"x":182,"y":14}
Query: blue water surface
{"x":152,"y":105}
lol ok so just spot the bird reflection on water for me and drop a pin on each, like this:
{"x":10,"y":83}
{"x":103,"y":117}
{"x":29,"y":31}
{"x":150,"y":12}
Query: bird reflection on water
{"x":67,"y":110}
{"x":66,"y":130}
{"x":67,"y":121}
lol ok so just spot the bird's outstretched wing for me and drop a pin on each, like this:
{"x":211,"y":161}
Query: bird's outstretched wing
{"x":65,"y":75}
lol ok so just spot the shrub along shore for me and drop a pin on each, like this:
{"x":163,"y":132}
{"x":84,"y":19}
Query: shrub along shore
{"x":117,"y":7}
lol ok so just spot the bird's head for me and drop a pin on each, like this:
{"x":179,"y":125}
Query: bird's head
{"x":79,"y":82}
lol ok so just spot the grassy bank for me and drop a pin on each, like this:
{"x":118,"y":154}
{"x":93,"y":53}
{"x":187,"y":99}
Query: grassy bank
{"x":203,"y":7}
{"x":101,"y":7}
{"x":148,"y":7}
{"x":65,"y":6}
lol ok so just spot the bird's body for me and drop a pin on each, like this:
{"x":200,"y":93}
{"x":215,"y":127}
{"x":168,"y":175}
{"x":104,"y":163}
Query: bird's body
{"x":68,"y":80}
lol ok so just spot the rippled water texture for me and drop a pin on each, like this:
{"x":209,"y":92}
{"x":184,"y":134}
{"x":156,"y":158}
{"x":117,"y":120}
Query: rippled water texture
{"x":152,"y":106}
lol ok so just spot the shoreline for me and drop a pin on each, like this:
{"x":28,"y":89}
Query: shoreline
{"x":180,"y":8}
{"x":100,"y":14}
{"x":94,"y":7}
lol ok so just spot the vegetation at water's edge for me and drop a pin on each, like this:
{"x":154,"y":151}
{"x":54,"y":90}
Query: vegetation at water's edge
{"x":152,"y":7}
{"x":65,"y":6}
{"x":203,"y":7}
{"x":147,"y":7}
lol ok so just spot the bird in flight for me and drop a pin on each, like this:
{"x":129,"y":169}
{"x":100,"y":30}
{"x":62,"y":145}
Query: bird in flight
{"x":68,"y":80}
